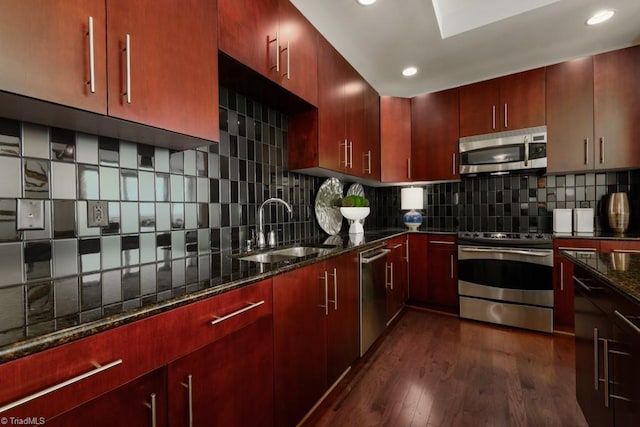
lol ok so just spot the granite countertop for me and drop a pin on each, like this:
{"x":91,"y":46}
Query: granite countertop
{"x":620,"y":270}
{"x":232,"y":274}
{"x":601,"y":235}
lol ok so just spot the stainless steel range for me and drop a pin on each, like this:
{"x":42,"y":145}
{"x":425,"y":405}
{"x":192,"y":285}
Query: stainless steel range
{"x":506,"y":278}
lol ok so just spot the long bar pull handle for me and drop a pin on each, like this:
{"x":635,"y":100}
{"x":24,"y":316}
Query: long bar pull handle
{"x":127,"y":50}
{"x":561,"y":276}
{"x":335,"y":289}
{"x":506,"y":113}
{"x":275,"y":40}
{"x":251,"y":306}
{"x":92,"y":64}
{"x":346,"y":153}
{"x":152,"y":406}
{"x":350,"y":154}
{"x":367,"y":169}
{"x":605,"y":350}
{"x":493,"y":117}
{"x":626,"y":320}
{"x":409,"y":168}
{"x":441,"y":242}
{"x":388,"y":272}
{"x":567,"y":248}
{"x":601,"y":149}
{"x":596,"y":362}
{"x":451,"y":265}
{"x":626,"y":251}
{"x":453,"y":163}
{"x":391,"y":274}
{"x":288,"y":50}
{"x":526,"y":150}
{"x":58,"y":386}
{"x":325,"y":278}
{"x":586,"y":151}
{"x":189,"y":386}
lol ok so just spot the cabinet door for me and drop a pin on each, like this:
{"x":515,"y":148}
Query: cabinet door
{"x":480,"y":108}
{"x":354,"y":100}
{"x":299,"y":62}
{"x":617,"y":108}
{"x":332,"y":147}
{"x":620,"y":246}
{"x":522,"y":100}
{"x":443,"y":280}
{"x":570,"y":116}
{"x":173,"y":78}
{"x":371,"y":159}
{"x":395,"y":139}
{"x":624,"y":358}
{"x":140,"y":403}
{"x":434,"y":136}
{"x":227,"y":383}
{"x":396,"y":277}
{"x":563,"y":292}
{"x":343,"y":326}
{"x":247,"y":32}
{"x":418,"y":267}
{"x":300,"y":307}
{"x":45,"y":51}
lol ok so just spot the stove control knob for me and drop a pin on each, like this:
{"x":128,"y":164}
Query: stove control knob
{"x":528,"y":236}
{"x":476,"y":235}
{"x":539,"y":236}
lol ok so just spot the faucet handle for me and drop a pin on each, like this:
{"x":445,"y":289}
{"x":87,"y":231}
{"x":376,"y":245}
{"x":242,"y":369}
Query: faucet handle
{"x":272,"y":238}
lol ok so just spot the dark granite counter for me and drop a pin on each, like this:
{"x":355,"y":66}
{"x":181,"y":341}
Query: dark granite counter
{"x":620,"y":270}
{"x":48,"y":329}
{"x":600,"y":235}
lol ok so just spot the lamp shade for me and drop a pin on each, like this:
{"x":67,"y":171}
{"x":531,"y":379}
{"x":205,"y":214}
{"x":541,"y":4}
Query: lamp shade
{"x":411,"y":198}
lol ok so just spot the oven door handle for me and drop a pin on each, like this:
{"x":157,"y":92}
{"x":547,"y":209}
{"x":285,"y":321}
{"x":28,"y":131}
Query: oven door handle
{"x":507,"y":251}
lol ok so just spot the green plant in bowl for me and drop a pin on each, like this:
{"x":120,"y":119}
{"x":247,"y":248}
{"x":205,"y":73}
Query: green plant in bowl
{"x":353,"y":201}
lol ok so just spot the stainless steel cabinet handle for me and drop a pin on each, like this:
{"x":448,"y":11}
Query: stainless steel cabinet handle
{"x":561,"y":276}
{"x":92,"y":65}
{"x":152,"y":406}
{"x":58,"y":386}
{"x":567,"y":248}
{"x":335,"y":289}
{"x":451,"y":265}
{"x":586,"y":151}
{"x":189,"y":386}
{"x":367,"y":170}
{"x":601,"y":149}
{"x":396,"y":246}
{"x":605,"y":352}
{"x":596,"y":363}
{"x":626,"y":251}
{"x":251,"y":306}
{"x":626,"y":320}
{"x":127,"y":50}
{"x":409,"y":168}
{"x":441,"y":242}
{"x":346,"y":153}
{"x":453,"y":165}
{"x":493,"y":117}
{"x":288,"y":50}
{"x":382,"y":253}
{"x":506,"y":111}
{"x":389,"y":275}
{"x":276,"y":66}
{"x":325,"y":278}
{"x":350,"y":154}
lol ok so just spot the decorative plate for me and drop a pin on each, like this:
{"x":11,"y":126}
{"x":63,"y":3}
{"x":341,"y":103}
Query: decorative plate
{"x":356,"y":190}
{"x":327,"y":212}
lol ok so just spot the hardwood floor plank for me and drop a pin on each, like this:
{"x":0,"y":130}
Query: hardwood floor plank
{"x":437,"y":370}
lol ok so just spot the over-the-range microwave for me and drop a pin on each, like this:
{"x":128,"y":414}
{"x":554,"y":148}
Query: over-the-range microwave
{"x":505,"y":151}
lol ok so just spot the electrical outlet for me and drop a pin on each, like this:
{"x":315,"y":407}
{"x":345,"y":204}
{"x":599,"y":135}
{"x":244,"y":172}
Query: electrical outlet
{"x":97,"y":213}
{"x":30,"y":214}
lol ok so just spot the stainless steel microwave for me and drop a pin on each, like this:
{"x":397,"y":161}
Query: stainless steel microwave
{"x":504,"y":151}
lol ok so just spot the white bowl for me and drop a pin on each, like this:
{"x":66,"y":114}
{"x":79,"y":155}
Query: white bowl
{"x":355,"y":215}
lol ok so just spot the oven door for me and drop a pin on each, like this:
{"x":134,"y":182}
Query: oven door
{"x":516,"y":275}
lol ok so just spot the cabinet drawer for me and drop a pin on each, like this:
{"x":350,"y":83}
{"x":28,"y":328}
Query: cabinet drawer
{"x":629,"y":246}
{"x":576,"y":245}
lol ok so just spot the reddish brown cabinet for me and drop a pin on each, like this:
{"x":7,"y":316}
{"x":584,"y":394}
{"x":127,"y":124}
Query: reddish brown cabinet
{"x":563,"y":292}
{"x":418,"y":267}
{"x":434,"y":136}
{"x":371,"y":159}
{"x":569,"y":98}
{"x":617,"y":108}
{"x":511,"y":102}
{"x":396,"y":276}
{"x":442,"y":282}
{"x":395,"y":139}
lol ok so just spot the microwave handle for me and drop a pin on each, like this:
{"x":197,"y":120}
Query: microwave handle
{"x":526,"y":150}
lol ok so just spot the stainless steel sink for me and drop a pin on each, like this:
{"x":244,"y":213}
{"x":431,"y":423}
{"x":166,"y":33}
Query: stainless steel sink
{"x":284,"y":254}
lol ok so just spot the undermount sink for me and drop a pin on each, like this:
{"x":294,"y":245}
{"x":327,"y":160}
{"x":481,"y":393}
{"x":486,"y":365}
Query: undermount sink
{"x":285,"y":254}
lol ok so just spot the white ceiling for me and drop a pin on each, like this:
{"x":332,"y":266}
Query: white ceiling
{"x":382,"y":39}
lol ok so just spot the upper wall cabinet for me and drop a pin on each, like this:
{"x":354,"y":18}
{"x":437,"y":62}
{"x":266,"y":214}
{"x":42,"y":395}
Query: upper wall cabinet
{"x":395,"y":139}
{"x":149,"y":62}
{"x":274,"y":39}
{"x":511,"y":102}
{"x":434,"y":136}
{"x":371,"y":151}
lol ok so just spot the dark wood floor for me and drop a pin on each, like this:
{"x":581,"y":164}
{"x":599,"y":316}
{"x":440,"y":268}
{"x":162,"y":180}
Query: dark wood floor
{"x":437,"y":370}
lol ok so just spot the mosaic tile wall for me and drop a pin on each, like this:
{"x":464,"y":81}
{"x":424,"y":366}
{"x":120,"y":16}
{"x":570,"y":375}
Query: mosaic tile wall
{"x":172,"y":215}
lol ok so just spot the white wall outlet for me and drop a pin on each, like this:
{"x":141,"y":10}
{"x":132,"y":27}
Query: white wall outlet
{"x":30,"y":214}
{"x":97,"y":213}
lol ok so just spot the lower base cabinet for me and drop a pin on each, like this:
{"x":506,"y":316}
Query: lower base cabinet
{"x":396,"y":276}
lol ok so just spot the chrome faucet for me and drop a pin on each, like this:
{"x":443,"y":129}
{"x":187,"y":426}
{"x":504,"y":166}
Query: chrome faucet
{"x":261,"y":239}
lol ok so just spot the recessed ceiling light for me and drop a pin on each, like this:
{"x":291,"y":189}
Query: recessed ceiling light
{"x":409,"y":71}
{"x":600,"y":17}
{"x":366,"y":2}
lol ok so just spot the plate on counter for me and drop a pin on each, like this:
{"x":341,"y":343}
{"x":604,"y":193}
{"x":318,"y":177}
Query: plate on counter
{"x":327,"y":211}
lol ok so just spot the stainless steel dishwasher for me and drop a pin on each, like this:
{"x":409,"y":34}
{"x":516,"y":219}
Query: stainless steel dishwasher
{"x":373,"y":295}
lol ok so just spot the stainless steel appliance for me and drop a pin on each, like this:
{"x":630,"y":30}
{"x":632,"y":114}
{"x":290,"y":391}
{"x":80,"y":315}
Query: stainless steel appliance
{"x":504,"y":151}
{"x":373,"y":295}
{"x":506,"y":278}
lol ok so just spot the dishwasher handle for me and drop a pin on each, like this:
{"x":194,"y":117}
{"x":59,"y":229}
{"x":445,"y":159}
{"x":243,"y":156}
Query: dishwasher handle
{"x":381,"y":254}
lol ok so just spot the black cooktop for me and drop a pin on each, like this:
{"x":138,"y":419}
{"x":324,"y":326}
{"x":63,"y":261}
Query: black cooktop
{"x":530,"y":240}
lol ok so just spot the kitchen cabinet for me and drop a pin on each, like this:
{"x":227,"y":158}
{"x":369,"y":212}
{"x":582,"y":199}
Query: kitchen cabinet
{"x":396,"y":276}
{"x":607,"y":352}
{"x":226,"y":383}
{"x":442,"y":282}
{"x":83,"y":62}
{"x":140,"y":403}
{"x":563,"y":292}
{"x":371,"y":160}
{"x":511,"y":102}
{"x":273,"y":38}
{"x":418,"y":267}
{"x":620,"y":246}
{"x":617,"y":108}
{"x":395,"y":139}
{"x":434,"y":136}
{"x":315,"y":333}
{"x":569,"y":98}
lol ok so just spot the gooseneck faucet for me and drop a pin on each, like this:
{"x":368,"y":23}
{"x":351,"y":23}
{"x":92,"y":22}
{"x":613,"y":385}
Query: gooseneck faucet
{"x":261,"y":240}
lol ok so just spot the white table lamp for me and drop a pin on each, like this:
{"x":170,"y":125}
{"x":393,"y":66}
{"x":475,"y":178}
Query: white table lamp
{"x":411,"y":199}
